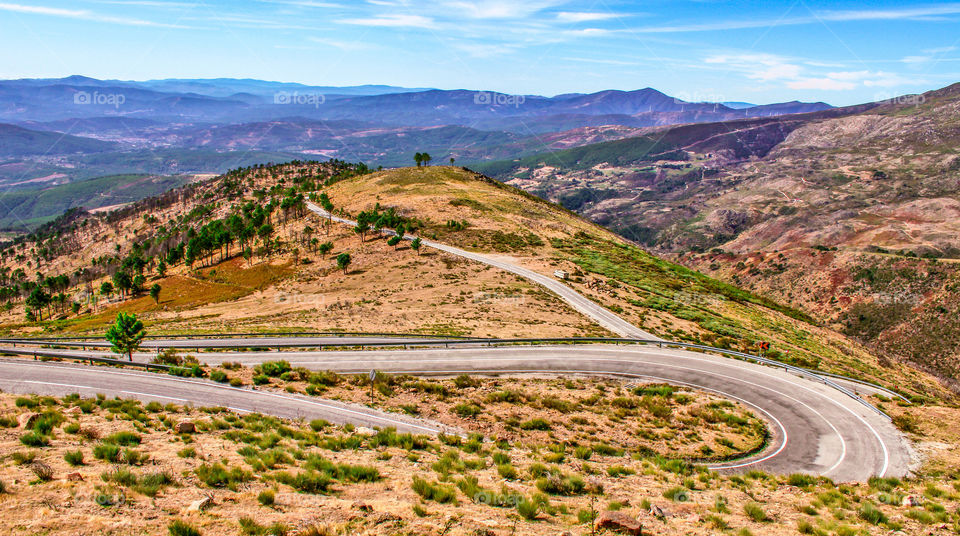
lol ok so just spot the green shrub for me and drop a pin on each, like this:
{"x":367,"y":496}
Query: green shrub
{"x":619,"y":470}
{"x":33,"y":439}
{"x":871,"y":514}
{"x":266,"y":497}
{"x":73,"y":457}
{"x":561,"y":485}
{"x":306,"y":481}
{"x":536,"y":424}
{"x":507,"y":471}
{"x":123,"y":438}
{"x":218,"y":476}
{"x":434,"y":491}
{"x":677,"y":493}
{"x":236,"y":382}
{"x":801,"y":480}
{"x":28,"y":403}
{"x":467,"y":410}
{"x":151,"y":484}
{"x":47,"y":422}
{"x":261,"y":379}
{"x":219,"y":376}
{"x":274,"y":369}
{"x":188,"y":452}
{"x":106,"y":452}
{"x":179,"y":528}
{"x":755,"y":512}
{"x":528,"y":509}
{"x":23,"y":458}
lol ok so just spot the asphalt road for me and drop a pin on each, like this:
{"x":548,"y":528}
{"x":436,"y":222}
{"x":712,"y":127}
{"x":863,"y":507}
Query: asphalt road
{"x":579,"y":302}
{"x":57,"y":379}
{"x":814,"y":428}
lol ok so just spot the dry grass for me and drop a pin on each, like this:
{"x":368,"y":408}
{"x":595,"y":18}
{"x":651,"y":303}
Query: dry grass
{"x":257,"y":451}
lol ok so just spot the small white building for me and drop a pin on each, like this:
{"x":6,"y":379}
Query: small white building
{"x":560,"y":274}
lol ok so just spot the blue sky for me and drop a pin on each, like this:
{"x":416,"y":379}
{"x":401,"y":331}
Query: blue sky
{"x":838,"y":52}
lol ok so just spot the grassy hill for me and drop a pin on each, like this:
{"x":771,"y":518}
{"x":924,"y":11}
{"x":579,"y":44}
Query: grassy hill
{"x":286,"y":282}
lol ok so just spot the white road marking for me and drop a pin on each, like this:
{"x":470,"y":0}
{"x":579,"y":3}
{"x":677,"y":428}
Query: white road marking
{"x":155,"y":396}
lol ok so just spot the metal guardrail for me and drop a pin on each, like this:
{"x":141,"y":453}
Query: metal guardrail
{"x":258,"y":334}
{"x":91,"y":359}
{"x":815,"y":375}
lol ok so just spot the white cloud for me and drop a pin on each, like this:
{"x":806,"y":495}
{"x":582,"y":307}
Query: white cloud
{"x":579,"y":16}
{"x":758,"y":66}
{"x":498,"y":9}
{"x":917,"y":13}
{"x":393,"y":21}
{"x":827,"y":84}
{"x":798,"y":74}
{"x":81,"y":14}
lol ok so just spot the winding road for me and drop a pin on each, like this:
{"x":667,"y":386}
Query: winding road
{"x":814,"y":427}
{"x":579,"y":302}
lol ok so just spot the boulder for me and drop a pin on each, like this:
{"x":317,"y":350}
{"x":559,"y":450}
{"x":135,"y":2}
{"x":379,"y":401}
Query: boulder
{"x":619,"y":522}
{"x":75,"y":477}
{"x":185,"y":427}
{"x":657,"y":512}
{"x":200,"y":505}
{"x":26,"y":420}
{"x":362,"y":506}
{"x":910,"y":500}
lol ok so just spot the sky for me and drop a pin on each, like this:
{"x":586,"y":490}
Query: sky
{"x":754,"y":51}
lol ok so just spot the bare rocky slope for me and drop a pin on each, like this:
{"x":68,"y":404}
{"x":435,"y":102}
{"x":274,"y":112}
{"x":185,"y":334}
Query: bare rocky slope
{"x":849,"y":215}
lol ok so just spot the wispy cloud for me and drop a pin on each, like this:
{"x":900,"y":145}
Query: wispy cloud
{"x":818,"y":17}
{"x":499,"y":9}
{"x":579,"y":16}
{"x":82,"y":14}
{"x":796,"y":74}
{"x":392,"y":21}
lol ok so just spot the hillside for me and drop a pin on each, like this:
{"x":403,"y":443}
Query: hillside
{"x":258,"y":265}
{"x":19,"y":141}
{"x":830,"y":212}
{"x":36,"y":203}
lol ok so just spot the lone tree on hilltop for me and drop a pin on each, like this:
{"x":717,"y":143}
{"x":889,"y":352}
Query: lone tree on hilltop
{"x":418,"y":158}
{"x":343,"y":261}
{"x":126,"y":334}
{"x":426,"y":158}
